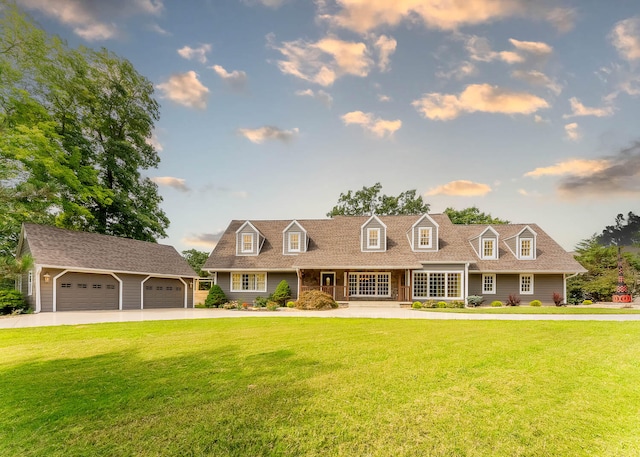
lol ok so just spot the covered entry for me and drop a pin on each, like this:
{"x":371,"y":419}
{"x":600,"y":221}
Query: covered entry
{"x":86,"y":291}
{"x":163,"y":293}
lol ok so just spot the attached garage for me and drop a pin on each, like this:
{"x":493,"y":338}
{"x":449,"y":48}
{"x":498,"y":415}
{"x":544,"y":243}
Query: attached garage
{"x":86,"y":291}
{"x":163,"y":293}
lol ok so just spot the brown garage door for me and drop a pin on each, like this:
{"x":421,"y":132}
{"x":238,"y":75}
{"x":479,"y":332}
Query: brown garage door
{"x":163,"y":293}
{"x":86,"y":291}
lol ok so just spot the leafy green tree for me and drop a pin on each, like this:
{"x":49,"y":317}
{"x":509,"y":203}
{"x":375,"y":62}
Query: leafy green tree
{"x":368,"y":200}
{"x":623,"y":232}
{"x":472,"y":215}
{"x":74,"y":125}
{"x":196,"y":259}
{"x":282,"y":293}
{"x":215,"y":297}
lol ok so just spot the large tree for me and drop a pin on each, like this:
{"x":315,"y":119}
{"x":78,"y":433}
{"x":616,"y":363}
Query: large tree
{"x":472,"y":215}
{"x":622,"y":232}
{"x":74,"y":130}
{"x":368,"y":200}
{"x":196,"y":259}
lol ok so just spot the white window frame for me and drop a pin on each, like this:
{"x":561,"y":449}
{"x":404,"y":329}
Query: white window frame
{"x":446,"y":284}
{"x":30,"y":283}
{"x":429,"y":231}
{"x":299,"y":248}
{"x":255,"y":281}
{"x":523,"y":276}
{"x":377,"y":231}
{"x":376,"y":274}
{"x":19,"y":284}
{"x":242,"y":242}
{"x":494,"y":248}
{"x":531,"y":255}
{"x":493,"y":284}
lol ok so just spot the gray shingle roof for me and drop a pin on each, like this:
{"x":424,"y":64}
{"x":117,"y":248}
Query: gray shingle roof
{"x":56,"y":247}
{"x":335,"y":243}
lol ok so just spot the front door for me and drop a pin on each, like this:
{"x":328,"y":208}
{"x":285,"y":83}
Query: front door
{"x":328,"y":283}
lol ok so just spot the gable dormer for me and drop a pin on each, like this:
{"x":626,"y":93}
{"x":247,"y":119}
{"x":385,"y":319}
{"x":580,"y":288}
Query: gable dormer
{"x":373,"y":235}
{"x":294,"y":239}
{"x":486,"y":244}
{"x":249,"y":240}
{"x":524,"y":244}
{"x":423,"y":235}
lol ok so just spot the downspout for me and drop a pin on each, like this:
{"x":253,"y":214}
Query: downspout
{"x":466,"y":281}
{"x":38,"y":302}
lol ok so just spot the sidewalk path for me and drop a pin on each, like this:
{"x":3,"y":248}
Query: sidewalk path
{"x":94,"y":317}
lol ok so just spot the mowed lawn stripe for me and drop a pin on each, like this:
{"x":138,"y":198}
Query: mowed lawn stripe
{"x":294,"y":387}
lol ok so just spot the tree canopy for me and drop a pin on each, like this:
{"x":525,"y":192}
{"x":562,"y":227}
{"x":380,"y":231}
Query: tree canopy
{"x":472,"y":215}
{"x":368,"y":200}
{"x":622,"y":232}
{"x":74,"y":131}
{"x":196,"y":259}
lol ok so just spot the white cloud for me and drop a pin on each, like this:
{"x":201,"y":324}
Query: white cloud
{"x":532,"y":47}
{"x":207,"y":240}
{"x":237,"y":79}
{"x":537,"y":78}
{"x":324,"y":61}
{"x":572,"y":131}
{"x":362,"y":16}
{"x":625,"y":36}
{"x":320,"y":95}
{"x":563,"y":19}
{"x":478,"y":97}
{"x":170,"y":181}
{"x":480,"y":50}
{"x":463,"y":70}
{"x":383,"y":98}
{"x":460,"y":188}
{"x":155,"y":142}
{"x":573,"y":167}
{"x":199,"y":53}
{"x":578,"y":109}
{"x":185,"y":89}
{"x":94,"y":20}
{"x":260,"y":135}
{"x":385,"y":46}
{"x":379,"y":127}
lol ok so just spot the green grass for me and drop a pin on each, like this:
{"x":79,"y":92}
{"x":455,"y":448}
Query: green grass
{"x":319,"y":387}
{"x":535,"y":310}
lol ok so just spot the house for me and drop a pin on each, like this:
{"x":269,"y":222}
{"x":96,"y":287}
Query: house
{"x":394,"y":258}
{"x":86,"y":271}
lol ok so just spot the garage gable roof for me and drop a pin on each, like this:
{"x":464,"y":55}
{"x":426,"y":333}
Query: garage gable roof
{"x":53,"y":247}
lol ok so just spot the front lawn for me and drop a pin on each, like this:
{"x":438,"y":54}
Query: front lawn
{"x":536,"y":310}
{"x":319,"y":387}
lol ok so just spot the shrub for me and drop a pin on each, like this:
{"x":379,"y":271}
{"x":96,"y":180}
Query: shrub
{"x":558,"y":299}
{"x":416,"y":305}
{"x":587,"y":302}
{"x":442,"y":304}
{"x":475,"y":300}
{"x":315,"y":299}
{"x":513,"y":300}
{"x":496,"y":303}
{"x":535,"y":303}
{"x":291,"y":304}
{"x":12,"y":301}
{"x":272,"y":306}
{"x":260,"y":302}
{"x":430,"y":304}
{"x":282,"y":293}
{"x":215,"y":297}
{"x":231,"y":305}
{"x":456,"y":304}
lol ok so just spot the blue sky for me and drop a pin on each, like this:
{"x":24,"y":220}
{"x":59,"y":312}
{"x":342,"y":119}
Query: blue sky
{"x":271,"y":108}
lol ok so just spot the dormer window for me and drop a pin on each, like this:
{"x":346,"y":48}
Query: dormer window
{"x":373,"y":238}
{"x":424,"y":237}
{"x":294,"y":242}
{"x":526,"y":248}
{"x":247,"y":242}
{"x":488,"y":248}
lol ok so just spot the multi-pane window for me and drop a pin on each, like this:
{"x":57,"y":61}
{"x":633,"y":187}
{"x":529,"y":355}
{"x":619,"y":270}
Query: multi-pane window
{"x":247,"y":242}
{"x":526,"y":248}
{"x":526,"y":284}
{"x":373,"y":238}
{"x":369,"y":284}
{"x":249,"y":282}
{"x":437,"y":285}
{"x":294,"y":241}
{"x":488,"y":248}
{"x":424,"y":236}
{"x":30,"y":283}
{"x":65,"y":285}
{"x":489,"y":284}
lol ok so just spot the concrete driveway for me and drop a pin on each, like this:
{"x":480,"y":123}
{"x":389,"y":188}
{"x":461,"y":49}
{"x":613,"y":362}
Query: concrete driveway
{"x":94,"y":317}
